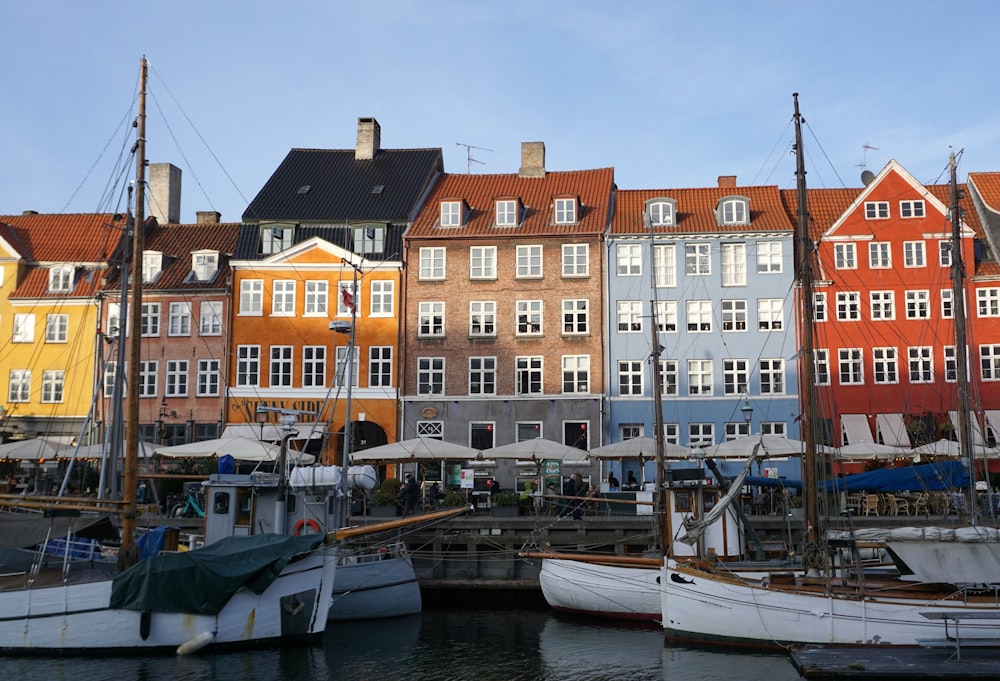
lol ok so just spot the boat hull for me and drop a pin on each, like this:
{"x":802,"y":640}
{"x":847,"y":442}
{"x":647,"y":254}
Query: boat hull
{"x":375,"y":587}
{"x":594,"y":589}
{"x":77,"y":617}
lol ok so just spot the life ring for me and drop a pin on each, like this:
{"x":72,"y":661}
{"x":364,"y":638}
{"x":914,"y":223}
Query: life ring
{"x":312,"y":524}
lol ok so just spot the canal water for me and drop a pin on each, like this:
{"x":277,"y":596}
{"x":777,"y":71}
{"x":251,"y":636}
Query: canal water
{"x":476,"y":644}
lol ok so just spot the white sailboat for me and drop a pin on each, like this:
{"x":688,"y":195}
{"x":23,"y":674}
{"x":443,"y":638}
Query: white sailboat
{"x":823,"y":606}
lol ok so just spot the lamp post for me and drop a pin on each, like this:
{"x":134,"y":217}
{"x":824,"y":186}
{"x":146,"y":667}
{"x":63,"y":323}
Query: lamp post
{"x":747,"y":411}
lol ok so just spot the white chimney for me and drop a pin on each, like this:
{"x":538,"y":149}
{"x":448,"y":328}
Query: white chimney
{"x":165,"y":193}
{"x":369,"y":139}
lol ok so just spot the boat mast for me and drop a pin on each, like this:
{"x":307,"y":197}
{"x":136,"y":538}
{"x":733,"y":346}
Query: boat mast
{"x":804,"y":257}
{"x":958,"y":305}
{"x":660,"y":511}
{"x":127,"y":555}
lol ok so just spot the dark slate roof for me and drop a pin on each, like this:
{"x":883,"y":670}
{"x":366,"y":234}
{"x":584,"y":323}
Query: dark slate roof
{"x":248,"y":243}
{"x":340,"y":187}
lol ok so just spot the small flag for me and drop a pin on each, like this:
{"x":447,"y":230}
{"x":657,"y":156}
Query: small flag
{"x":348,"y":297}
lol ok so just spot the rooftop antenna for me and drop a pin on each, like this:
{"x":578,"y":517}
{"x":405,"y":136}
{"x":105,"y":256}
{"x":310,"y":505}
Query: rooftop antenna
{"x":468,"y":155}
{"x":866,"y":175}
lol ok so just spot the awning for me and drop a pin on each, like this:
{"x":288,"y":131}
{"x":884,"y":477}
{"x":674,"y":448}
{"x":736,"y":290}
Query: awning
{"x":271,"y":432}
{"x":892,"y":430}
{"x":855,"y":429}
{"x":977,"y":430}
{"x":993,"y":421}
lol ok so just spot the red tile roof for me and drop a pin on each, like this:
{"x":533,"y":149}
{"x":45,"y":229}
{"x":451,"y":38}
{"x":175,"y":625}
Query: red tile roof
{"x":988,"y":187}
{"x":593,"y":187}
{"x":177,"y":242}
{"x":696,"y":210}
{"x":70,"y":238}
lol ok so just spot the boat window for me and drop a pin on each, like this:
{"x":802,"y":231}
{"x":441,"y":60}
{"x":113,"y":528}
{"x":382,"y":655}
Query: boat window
{"x":220,"y":503}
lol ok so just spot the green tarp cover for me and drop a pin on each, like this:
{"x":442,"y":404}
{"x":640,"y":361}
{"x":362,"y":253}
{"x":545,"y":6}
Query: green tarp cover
{"x":202,"y":582}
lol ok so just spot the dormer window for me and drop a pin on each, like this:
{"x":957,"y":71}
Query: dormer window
{"x":566,"y":210}
{"x":152,"y":265}
{"x":369,"y":239}
{"x":507,"y":211}
{"x":275,"y":238}
{"x":61,"y":279}
{"x":660,"y":212}
{"x":204,"y":264}
{"x":733,"y":210}
{"x":451,"y":213}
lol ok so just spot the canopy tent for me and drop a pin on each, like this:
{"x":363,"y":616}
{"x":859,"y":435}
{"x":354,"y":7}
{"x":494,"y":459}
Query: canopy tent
{"x":855,"y":429}
{"x":926,"y":477}
{"x":977,"y":431}
{"x":96,"y":451}
{"x":772,"y":445}
{"x":639,"y":448}
{"x":861,"y":451}
{"x":270,"y":432}
{"x":538,"y":449}
{"x":414,"y":449}
{"x":240,"y":448}
{"x":37,"y":448}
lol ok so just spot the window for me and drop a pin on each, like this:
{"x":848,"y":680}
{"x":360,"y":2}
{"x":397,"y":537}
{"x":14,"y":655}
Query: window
{"x":451,"y":213}
{"x":851,"y":367}
{"x":629,"y":316}
{"x":529,"y":318}
{"x":821,"y":367}
{"x":483,"y":262}
{"x":885,"y":365}
{"x":770,"y":314}
{"x":482,"y":375}
{"x":275,"y":238}
{"x":148,"y":373}
{"x":883,"y":305}
{"x":529,"y":262}
{"x":576,"y":373}
{"x":575,"y":434}
{"x":911,"y":209}
{"x":735,"y":376}
{"x":734,"y":212}
{"x":699,"y":316}
{"x":947,"y":308}
{"x":735,"y":430}
{"x":668,"y":377}
{"x":844,"y":257}
{"x":989,"y":361}
{"x":369,"y":239}
{"x":19,"y":389}
{"x":179,"y":323}
{"x":383,"y":298}
{"x":340,"y":379}
{"x":430,"y":375}
{"x":630,"y":377}
{"x":152,"y":263}
{"x":317,"y":298}
{"x":629,"y":260}
{"x":699,"y":376}
{"x":24,"y":328}
{"x":482,"y":318}
{"x":114,"y":319}
{"x":565,"y":211}
{"x":664,"y":262}
{"x":876,"y":210}
{"x":734,"y":315}
{"x":252,"y":297}
{"x":918,"y":305}
{"x":52,"y":386}
{"x":507,"y":213}
{"x":701,"y":434}
{"x":347,"y":298}
{"x":950,"y":364}
{"x":432,"y":263}
{"x":430,"y":319}
{"x":177,"y":378}
{"x":283,"y":298}
{"x":313,"y":366}
{"x":769,"y":254}
{"x":773,"y":428}
{"x":281,"y":366}
{"x":661,"y":213}
{"x":772,"y":377}
{"x":431,"y":429}
{"x":575,"y":260}
{"x":576,"y":316}
{"x":481,"y":434}
{"x":149,"y":320}
{"x":819,"y":307}
{"x":209,"y":371}
{"x":988,"y":302}
{"x":210,"y":318}
{"x":913,"y":254}
{"x":879,"y":255}
{"x":527,"y":430}
{"x":849,"y":306}
{"x":697,"y":260}
{"x":56,"y":328}
{"x":204,"y":264}
{"x":734,"y":265}
{"x":528,"y":375}
{"x":944,"y":253}
{"x":666,"y":316}
{"x":60,"y":279}
{"x":380,"y":366}
{"x":921,"y":363}
{"x":248,"y":365}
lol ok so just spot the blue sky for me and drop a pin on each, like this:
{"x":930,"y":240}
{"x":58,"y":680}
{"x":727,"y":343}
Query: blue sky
{"x":671,"y":94}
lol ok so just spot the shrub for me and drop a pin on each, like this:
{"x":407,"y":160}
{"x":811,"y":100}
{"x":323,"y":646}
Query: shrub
{"x":387,"y":492}
{"x":505,"y":499}
{"x":452,"y":498}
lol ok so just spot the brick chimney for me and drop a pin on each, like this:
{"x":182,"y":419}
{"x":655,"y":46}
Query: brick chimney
{"x":208,"y":217}
{"x":727,"y":181}
{"x":369,"y":139}
{"x":165,"y":193}
{"x":532,"y":159}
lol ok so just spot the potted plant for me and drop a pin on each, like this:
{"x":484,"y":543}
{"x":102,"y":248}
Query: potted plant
{"x":795,"y":506}
{"x":453,"y":498}
{"x":384,"y":501}
{"x":505,"y":504}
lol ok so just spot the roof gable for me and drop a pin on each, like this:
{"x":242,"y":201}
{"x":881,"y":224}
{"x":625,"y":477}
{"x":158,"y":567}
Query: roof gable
{"x":697,"y":210}
{"x":312,"y":251}
{"x":43,"y":237}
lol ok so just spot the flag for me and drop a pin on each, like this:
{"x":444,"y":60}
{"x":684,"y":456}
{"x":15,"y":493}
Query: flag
{"x":348,"y":297}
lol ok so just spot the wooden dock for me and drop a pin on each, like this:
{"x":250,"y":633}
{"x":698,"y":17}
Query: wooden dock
{"x":891,"y":662}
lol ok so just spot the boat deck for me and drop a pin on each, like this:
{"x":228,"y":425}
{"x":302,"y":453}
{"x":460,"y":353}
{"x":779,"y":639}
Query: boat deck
{"x":844,"y":662}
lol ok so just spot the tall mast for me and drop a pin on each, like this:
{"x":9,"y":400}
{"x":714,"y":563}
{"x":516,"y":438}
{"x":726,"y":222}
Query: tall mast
{"x":127,"y":555}
{"x":807,"y":382}
{"x":660,"y":515}
{"x":958,"y":305}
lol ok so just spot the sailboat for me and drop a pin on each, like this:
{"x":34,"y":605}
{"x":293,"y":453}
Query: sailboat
{"x":822,"y":605}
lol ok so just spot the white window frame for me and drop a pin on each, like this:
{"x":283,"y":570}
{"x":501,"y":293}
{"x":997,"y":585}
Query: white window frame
{"x":24,"y":328}
{"x":179,"y":319}
{"x":700,"y":377}
{"x":845,"y":256}
{"x":734,"y":316}
{"x":149,"y":372}
{"x":341,"y":359}
{"x":317,"y":298}
{"x":210,"y":317}
{"x":666,"y":316}
{"x":506,"y":213}
{"x":850,"y":366}
{"x":735,"y":376}
{"x":576,"y":316}
{"x":482,"y":262}
{"x":342,"y":309}
{"x":699,"y":316}
{"x":821,"y":366}
{"x":701,"y":435}
{"x":380,"y":368}
{"x":882,"y":305}
{"x":575,"y":260}
{"x":528,"y":263}
{"x":483,"y":375}
{"x":885,"y":366}
{"x":848,"y":306}
{"x":734,"y":264}
{"x":772,"y":376}
{"x":876,"y":210}
{"x":697,"y":260}
{"x":430,"y":375}
{"x":630,"y":377}
{"x":912,"y":209}
{"x":819,"y":306}
{"x":53,"y":385}
{"x":248,"y":365}
{"x":528,"y":318}
{"x":914,"y":254}
{"x":56,"y":328}
{"x":734,"y":211}
{"x":430,"y":319}
{"x":382,"y":297}
{"x":369,"y":239}
{"x":451,"y":214}
{"x":769,"y":257}
{"x":575,"y":374}
{"x":629,"y":260}
{"x":177,"y":375}
{"x":918,"y":304}
{"x":660,"y":213}
{"x":275,"y":238}
{"x":482,"y":318}
{"x":251,"y":297}
{"x":665,"y":265}
{"x":879,"y":255}
{"x":989,"y":362}
{"x":313,"y":366}
{"x":566,"y":211}
{"x":988,"y":302}
{"x":60,"y":279}
{"x":528,"y":375}
{"x":204,"y":264}
{"x":630,"y":316}
{"x":281,"y":359}
{"x":209,"y":377}
{"x":19,"y":386}
{"x":432,"y":263}
{"x":920,"y":363}
{"x":947,"y":304}
{"x":770,"y":314}
{"x":283,"y":297}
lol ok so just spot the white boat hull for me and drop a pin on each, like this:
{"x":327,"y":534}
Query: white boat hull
{"x":616,"y":591}
{"x":77,"y":617}
{"x":703,"y":608}
{"x":375,"y":587}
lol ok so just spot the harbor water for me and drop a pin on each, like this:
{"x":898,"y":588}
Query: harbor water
{"x":480,"y":643}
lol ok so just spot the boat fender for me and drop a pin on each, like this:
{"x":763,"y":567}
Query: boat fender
{"x":765,"y":581}
{"x":145,"y":624}
{"x":303,"y":523}
{"x":196,"y":643}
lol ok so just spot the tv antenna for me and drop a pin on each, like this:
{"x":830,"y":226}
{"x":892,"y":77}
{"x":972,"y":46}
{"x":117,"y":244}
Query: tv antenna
{"x":468,"y":155}
{"x":864,"y":155}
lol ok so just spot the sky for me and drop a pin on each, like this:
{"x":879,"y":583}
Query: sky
{"x":670,"y":94}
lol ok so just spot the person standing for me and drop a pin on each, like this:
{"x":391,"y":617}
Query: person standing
{"x":613,"y":483}
{"x":409,"y":493}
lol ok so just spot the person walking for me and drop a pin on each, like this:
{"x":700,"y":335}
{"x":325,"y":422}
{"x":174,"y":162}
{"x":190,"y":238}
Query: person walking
{"x":409,"y":494}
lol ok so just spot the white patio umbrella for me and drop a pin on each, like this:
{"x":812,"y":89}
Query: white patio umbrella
{"x":861,"y":451}
{"x":537,"y":448}
{"x":240,"y":448}
{"x":415,"y":449}
{"x":639,"y":448}
{"x":771,"y":445}
{"x":35,"y":449}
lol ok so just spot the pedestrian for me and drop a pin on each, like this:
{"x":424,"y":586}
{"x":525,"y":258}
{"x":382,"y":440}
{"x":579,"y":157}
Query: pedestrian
{"x":409,"y":494}
{"x":613,"y":483}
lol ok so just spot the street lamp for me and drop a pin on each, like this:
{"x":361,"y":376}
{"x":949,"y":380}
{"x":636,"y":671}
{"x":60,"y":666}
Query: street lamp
{"x":747,"y":411}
